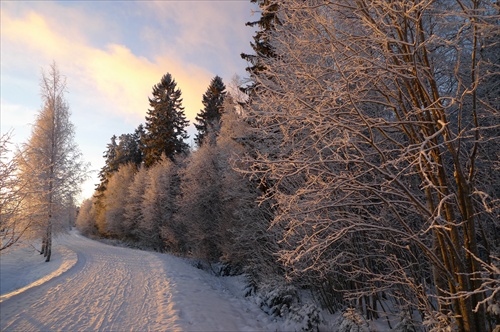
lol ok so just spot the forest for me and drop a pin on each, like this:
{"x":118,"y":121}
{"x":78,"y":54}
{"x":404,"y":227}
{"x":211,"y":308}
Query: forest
{"x":355,"y":170}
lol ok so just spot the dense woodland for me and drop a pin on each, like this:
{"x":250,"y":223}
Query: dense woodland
{"x":357,"y":169}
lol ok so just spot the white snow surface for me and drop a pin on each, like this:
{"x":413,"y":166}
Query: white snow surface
{"x":89,"y":285}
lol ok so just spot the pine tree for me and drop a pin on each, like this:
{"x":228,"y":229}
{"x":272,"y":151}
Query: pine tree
{"x":165,"y":123}
{"x":209,"y":118}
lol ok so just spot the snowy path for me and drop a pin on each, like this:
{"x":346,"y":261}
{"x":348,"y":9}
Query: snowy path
{"x":117,"y":289}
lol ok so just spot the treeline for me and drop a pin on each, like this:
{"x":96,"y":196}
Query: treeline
{"x":155,"y":193}
{"x":363,"y":167}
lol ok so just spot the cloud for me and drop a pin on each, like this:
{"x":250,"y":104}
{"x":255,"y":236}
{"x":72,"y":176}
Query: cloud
{"x":213,"y":32}
{"x":111,"y":75}
{"x":15,"y":116}
{"x":112,"y":53}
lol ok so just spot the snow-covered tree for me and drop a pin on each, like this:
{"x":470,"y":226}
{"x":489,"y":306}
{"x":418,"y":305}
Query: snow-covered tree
{"x":115,"y":200}
{"x":50,"y":163}
{"x":12,"y":223}
{"x":246,"y":241}
{"x":165,"y":123}
{"x":134,"y":203}
{"x":372,"y":118}
{"x":85,"y":222}
{"x":208,"y":119}
{"x":200,"y":202}
{"x":157,"y":228}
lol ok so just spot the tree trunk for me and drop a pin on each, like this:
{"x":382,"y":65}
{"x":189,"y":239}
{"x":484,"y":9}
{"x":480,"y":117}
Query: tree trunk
{"x":42,"y":250}
{"x":49,"y":250}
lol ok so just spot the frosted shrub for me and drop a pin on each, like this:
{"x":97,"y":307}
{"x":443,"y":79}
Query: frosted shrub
{"x":250,"y":285}
{"x":306,"y":316}
{"x":439,"y":322}
{"x":406,"y":323}
{"x":226,"y":269}
{"x":283,"y":300}
{"x":276,"y":300}
{"x":494,"y":309}
{"x":352,"y":321}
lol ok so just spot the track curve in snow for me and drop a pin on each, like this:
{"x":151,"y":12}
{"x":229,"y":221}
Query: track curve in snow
{"x":116,"y":289}
{"x":108,"y":288}
{"x":69,"y":259}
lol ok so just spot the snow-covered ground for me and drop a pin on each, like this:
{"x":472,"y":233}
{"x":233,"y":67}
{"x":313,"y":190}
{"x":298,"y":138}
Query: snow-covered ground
{"x":22,"y":267}
{"x":93,"y":286}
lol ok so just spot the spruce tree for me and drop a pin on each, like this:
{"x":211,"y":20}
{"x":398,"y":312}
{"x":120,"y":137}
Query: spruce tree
{"x":165,"y":123}
{"x":267,"y":22}
{"x":121,"y":150}
{"x":209,"y":118}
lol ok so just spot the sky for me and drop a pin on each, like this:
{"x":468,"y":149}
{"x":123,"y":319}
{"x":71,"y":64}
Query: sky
{"x":112,"y":53}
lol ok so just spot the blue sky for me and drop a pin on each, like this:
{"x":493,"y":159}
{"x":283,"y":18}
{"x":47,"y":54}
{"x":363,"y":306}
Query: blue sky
{"x":112,"y":53}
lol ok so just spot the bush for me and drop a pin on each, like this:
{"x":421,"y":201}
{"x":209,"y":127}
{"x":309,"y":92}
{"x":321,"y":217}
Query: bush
{"x":352,"y":321}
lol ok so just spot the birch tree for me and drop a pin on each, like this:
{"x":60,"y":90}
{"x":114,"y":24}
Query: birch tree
{"x":12,"y":224}
{"x":50,"y":163}
{"x":378,"y":119}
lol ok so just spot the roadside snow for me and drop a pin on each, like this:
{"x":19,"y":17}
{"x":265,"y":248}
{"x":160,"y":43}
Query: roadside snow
{"x":22,"y":267}
{"x":113,"y":288}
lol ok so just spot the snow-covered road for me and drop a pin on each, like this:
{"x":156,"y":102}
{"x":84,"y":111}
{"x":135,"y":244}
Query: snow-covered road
{"x":118,"y":289}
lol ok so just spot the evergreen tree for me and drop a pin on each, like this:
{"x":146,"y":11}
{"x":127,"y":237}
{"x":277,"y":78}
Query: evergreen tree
{"x":140,"y":136}
{"x":108,"y":168}
{"x":165,"y":123}
{"x":263,"y":49}
{"x":209,"y":118}
{"x":122,"y":150}
{"x":128,"y":150}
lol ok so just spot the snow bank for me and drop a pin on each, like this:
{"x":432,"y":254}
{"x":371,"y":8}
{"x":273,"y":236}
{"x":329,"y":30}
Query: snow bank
{"x":22,"y":268}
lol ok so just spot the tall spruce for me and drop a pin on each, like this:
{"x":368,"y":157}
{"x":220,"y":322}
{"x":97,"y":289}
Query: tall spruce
{"x":209,"y":118}
{"x":267,"y":22}
{"x":165,"y":123}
